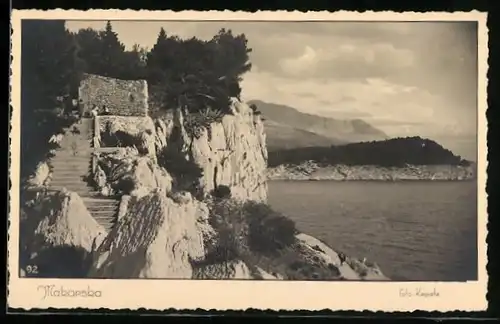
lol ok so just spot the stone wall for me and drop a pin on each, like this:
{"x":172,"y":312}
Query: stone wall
{"x":121,"y":97}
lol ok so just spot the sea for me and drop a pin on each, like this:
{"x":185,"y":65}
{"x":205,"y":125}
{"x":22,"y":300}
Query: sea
{"x":414,"y":230}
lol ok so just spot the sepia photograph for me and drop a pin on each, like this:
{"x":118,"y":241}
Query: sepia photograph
{"x":248,"y":150}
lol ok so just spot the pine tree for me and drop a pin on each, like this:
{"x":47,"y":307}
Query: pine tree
{"x":89,"y":50}
{"x":197,"y":74}
{"x":113,"y":58}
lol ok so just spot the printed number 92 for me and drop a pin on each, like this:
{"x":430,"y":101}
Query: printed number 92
{"x":32,"y":269}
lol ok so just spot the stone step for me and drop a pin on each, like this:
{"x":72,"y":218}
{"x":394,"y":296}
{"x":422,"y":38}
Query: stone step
{"x":69,"y":181}
{"x":101,"y":199}
{"x":103,"y":215}
{"x":111,"y":215}
{"x":59,"y":182}
{"x":71,"y":158}
{"x":101,"y":206}
{"x":71,"y":163}
{"x":69,"y":142}
{"x":70,"y":167}
{"x":109,"y":222}
{"x":71,"y":170}
{"x":110,"y":219}
{"x":62,"y":161}
{"x":79,"y":191}
{"x":74,"y":138}
{"x":71,"y":174}
{"x":79,"y":155}
{"x":103,"y":210}
{"x":71,"y":187}
{"x":91,"y":194}
{"x":76,"y":171}
{"x":107,"y":226}
{"x":97,"y":206}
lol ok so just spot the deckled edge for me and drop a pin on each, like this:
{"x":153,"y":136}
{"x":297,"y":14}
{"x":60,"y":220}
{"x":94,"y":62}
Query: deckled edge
{"x":427,"y":16}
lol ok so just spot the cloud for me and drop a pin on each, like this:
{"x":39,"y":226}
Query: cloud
{"x":296,"y":66}
{"x":345,"y":61}
{"x":397,"y":109}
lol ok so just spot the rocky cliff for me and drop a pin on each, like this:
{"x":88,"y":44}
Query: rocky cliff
{"x":193,"y":193}
{"x":231,"y":152}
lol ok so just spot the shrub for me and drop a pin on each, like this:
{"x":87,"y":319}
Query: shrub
{"x":197,"y":121}
{"x":222,"y":192}
{"x":125,"y":185}
{"x":227,"y":218}
{"x":251,"y":227}
{"x":185,"y":173}
{"x":269,"y":230}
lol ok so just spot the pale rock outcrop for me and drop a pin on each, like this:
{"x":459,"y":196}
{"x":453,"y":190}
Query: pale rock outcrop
{"x":100,"y":178}
{"x":142,"y":173}
{"x":41,"y":175}
{"x":148,"y":144}
{"x":352,"y":269}
{"x":157,"y":238}
{"x":267,"y":276}
{"x":129,"y":125}
{"x":145,"y":173}
{"x":69,"y":224}
{"x":231,"y":153}
{"x":142,"y":128}
{"x":56,"y":139}
{"x":164,"y":128}
{"x":123,"y":207}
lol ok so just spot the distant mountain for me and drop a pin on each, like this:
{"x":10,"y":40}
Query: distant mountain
{"x":286,"y":127}
{"x":282,"y":136}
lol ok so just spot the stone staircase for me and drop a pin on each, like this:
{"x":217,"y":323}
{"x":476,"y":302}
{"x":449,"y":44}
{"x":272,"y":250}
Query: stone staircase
{"x":72,"y":164}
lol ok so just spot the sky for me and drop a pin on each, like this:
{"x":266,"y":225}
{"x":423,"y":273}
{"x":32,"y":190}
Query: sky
{"x":405,"y":78}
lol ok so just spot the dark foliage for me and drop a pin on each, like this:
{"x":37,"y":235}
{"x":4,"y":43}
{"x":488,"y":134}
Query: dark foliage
{"x":185,"y":172}
{"x":124,"y":186}
{"x":268,"y":229}
{"x":395,"y":152}
{"x":48,"y":80}
{"x":222,"y":192}
{"x":102,"y":53}
{"x":196,"y":74}
{"x":248,"y":228}
{"x":195,"y":122}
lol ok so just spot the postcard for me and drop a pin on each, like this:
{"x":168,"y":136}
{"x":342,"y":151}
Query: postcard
{"x":233,"y":160}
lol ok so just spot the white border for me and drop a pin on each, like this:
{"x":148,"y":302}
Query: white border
{"x":240,"y":295}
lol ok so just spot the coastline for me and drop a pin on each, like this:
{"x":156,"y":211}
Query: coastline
{"x":310,"y":171}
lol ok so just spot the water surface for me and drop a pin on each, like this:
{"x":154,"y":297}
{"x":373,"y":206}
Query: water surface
{"x":413,"y":230}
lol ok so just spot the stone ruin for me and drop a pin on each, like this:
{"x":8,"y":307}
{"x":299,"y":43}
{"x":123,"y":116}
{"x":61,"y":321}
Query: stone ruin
{"x":120,"y":97}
